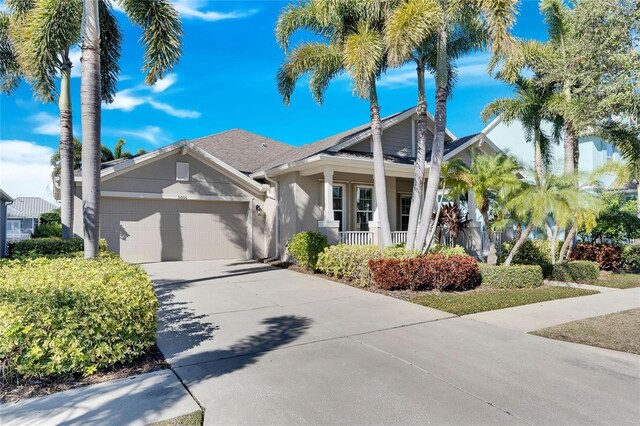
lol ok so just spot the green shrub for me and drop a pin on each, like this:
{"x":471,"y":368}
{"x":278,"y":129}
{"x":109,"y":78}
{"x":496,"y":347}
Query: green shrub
{"x":631,"y":258}
{"x":348,"y":261}
{"x":64,"y":316}
{"x":532,"y":252}
{"x":47,"y":230}
{"x":306,"y":246}
{"x":513,"y":276}
{"x":399,"y":251}
{"x":49,"y":247}
{"x":575,"y":271}
{"x":447,"y":250}
{"x":52,"y":217}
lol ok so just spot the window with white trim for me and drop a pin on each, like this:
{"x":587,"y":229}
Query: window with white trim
{"x":182,"y":171}
{"x":364,"y":207}
{"x":405,"y":207}
{"x":338,"y":205}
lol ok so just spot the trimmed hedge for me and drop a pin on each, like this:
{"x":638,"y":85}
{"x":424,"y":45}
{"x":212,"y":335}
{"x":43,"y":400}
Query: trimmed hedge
{"x":64,"y":316}
{"x":447,"y":250}
{"x":49,"y":247}
{"x":513,"y":276}
{"x":433,"y":271}
{"x":575,"y":271}
{"x":631,"y":258}
{"x":47,"y":230}
{"x":609,"y":257}
{"x":306,"y":246}
{"x":351,"y":261}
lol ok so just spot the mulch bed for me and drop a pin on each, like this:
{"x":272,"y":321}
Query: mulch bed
{"x":153,"y":360}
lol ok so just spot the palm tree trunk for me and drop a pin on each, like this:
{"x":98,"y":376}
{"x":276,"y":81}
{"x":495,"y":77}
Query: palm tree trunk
{"x":566,"y":246}
{"x":437,"y":150}
{"x":379,"y":183}
{"x":514,"y":250}
{"x":418,"y":174}
{"x":434,"y":225}
{"x":538,"y":154}
{"x":66,"y":149}
{"x":569,"y":148}
{"x":638,"y":195}
{"x":90,"y":109}
{"x":492,"y":257}
{"x":554,"y":242}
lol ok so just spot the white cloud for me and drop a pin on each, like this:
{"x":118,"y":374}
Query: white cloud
{"x":151,"y":134}
{"x":128,"y":99}
{"x":25,"y":169}
{"x":193,"y":9}
{"x":165,"y":83}
{"x":46,"y":124}
{"x":180,"y":113}
{"x":75,"y":54}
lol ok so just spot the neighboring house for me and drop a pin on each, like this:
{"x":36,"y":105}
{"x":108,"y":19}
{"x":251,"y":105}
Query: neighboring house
{"x":23,"y":216}
{"x":594,"y":152}
{"x":236,"y":194}
{"x":5,"y":199}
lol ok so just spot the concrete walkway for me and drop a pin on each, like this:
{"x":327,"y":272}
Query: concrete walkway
{"x":598,"y":288}
{"x":546,"y":314}
{"x":259,"y":345}
{"x":138,"y":400}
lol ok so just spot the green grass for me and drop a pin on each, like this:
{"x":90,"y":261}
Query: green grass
{"x":489,"y":299}
{"x":608,"y":279}
{"x":619,"y":331}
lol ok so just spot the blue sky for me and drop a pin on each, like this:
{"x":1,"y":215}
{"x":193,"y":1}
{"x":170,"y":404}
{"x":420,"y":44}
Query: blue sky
{"x":226,"y":79}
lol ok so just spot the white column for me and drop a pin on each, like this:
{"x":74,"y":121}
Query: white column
{"x":328,"y":226}
{"x":471,"y":205}
{"x":328,"y":194}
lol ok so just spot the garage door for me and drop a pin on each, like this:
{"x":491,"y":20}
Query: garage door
{"x":159,"y":230}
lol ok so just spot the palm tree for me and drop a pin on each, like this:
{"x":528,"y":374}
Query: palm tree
{"x":493,"y":178}
{"x":626,"y":138}
{"x":353,"y":42}
{"x":119,"y":152}
{"x":162,"y":33}
{"x":463,"y":26}
{"x":530,"y":106}
{"x":554,"y":196}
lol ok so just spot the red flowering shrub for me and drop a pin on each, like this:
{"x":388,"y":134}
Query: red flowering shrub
{"x":433,"y":271}
{"x":607,"y":256}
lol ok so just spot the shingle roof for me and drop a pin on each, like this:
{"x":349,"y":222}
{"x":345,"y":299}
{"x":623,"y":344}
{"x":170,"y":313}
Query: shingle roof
{"x":28,"y":207}
{"x":242,"y":150}
{"x":304,"y":151}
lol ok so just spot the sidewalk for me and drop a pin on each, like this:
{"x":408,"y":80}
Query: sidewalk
{"x":137,"y":400}
{"x":535,"y":316}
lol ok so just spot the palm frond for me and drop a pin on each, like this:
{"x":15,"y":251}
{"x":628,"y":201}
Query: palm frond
{"x":19,"y":7}
{"x":408,"y":26}
{"x":110,"y":42}
{"x":161,"y":35}
{"x":364,"y":51}
{"x":313,"y":16}
{"x":556,"y":16}
{"x":10,"y":74}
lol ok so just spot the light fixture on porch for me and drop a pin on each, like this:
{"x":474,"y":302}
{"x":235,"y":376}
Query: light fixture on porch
{"x":259,"y":211}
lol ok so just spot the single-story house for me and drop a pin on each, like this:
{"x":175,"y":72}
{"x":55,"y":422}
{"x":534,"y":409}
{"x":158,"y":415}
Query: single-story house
{"x":236,"y":194}
{"x":23,"y":216}
{"x":5,"y":200}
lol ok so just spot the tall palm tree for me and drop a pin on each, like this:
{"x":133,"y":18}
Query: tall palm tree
{"x":352,"y":34}
{"x":495,"y":19}
{"x":530,"y":106}
{"x":493,"y":179}
{"x":161,"y":35}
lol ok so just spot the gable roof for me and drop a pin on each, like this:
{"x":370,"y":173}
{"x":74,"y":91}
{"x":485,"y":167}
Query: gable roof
{"x":29,"y":207}
{"x":243,"y":150}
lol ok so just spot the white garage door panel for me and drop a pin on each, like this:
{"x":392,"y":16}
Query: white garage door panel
{"x":158,"y":230}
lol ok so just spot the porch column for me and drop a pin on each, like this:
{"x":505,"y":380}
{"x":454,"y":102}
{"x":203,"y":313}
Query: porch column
{"x":374,"y":225}
{"x":473,"y":236}
{"x":328,"y":226}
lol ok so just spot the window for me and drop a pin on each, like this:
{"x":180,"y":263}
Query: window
{"x":610,"y":151}
{"x":405,"y":207}
{"x":338,"y":205}
{"x":182,"y":171}
{"x":364,"y":207}
{"x":13,"y":226}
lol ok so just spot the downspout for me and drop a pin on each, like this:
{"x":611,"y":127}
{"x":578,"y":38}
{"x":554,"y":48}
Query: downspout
{"x":277,"y":200}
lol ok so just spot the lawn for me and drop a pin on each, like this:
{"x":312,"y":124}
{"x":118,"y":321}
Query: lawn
{"x":489,"y":299}
{"x":609,"y":279}
{"x":619,"y":331}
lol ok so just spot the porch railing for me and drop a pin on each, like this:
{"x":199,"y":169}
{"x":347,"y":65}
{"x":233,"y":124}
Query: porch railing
{"x":399,"y":237}
{"x":356,"y":237}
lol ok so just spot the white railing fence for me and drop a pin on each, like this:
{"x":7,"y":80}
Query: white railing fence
{"x":399,"y":237}
{"x":356,"y":237}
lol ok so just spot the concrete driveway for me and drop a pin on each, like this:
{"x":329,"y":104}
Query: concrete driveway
{"x":260,"y":345}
